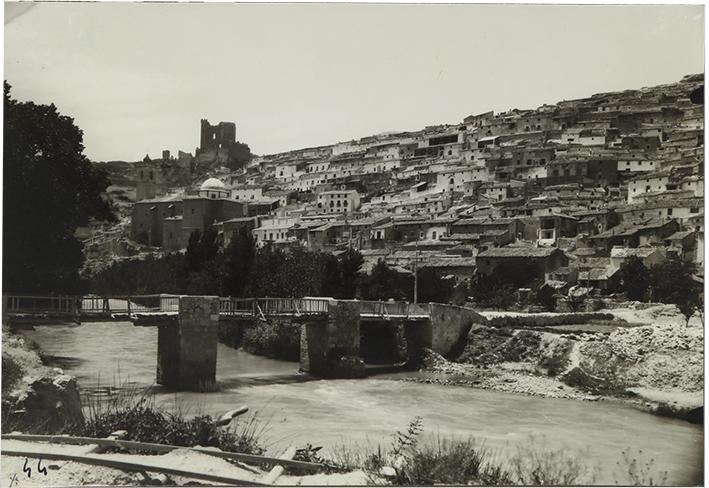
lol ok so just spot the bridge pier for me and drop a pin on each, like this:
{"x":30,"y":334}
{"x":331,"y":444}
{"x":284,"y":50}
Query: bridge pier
{"x":330,"y":348}
{"x":187,"y":351}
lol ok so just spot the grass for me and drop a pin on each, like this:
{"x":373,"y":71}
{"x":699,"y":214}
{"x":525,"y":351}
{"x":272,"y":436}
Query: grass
{"x":639,"y":471}
{"x":413,"y":460}
{"x":134,"y":410}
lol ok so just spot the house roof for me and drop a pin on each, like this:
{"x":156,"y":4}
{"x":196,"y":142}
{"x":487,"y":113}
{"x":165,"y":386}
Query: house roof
{"x":514,"y":252}
{"x":678,"y":236}
{"x":449,"y":262}
{"x":627,"y":252}
{"x":596,"y":274}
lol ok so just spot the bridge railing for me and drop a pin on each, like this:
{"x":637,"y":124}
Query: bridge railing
{"x":386,"y":309}
{"x":129,"y":304}
{"x":97,"y":305}
{"x":59,"y":304}
{"x":272,"y":306}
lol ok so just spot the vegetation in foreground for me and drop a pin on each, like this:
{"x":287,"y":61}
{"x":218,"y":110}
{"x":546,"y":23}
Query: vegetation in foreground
{"x":409,"y":460}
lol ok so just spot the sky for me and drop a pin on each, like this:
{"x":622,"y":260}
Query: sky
{"x":138,"y":77}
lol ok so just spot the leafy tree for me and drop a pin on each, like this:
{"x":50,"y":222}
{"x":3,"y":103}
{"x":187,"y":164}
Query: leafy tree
{"x":239,"y":155}
{"x":331,"y":283}
{"x":50,"y":188}
{"x":201,"y":270}
{"x":351,"y":262}
{"x":634,"y":279}
{"x":491,"y":291}
{"x":546,"y":297}
{"x":433,"y":288}
{"x":385,"y":283}
{"x":673,"y":282}
{"x":238,"y":263}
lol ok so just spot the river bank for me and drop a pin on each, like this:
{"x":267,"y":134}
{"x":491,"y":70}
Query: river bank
{"x":651,"y":360}
{"x":360,"y":416}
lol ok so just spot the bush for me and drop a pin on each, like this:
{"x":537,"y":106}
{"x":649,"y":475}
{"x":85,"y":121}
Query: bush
{"x":466,"y":462}
{"x":276,"y":339}
{"x":136,"y":413}
{"x":11,"y":373}
{"x":533,"y":464}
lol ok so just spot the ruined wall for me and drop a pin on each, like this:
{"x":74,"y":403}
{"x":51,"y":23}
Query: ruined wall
{"x":218,"y":136}
{"x":450,"y":325}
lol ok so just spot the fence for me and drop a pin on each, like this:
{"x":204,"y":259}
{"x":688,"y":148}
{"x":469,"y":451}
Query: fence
{"x":272,"y":306}
{"x":117,"y":305}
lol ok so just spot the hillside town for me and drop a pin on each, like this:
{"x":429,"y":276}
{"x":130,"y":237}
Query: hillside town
{"x":577,"y":188}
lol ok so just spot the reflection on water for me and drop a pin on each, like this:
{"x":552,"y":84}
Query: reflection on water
{"x":303,"y":409}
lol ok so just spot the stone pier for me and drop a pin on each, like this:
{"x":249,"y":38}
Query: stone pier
{"x":329,"y":347}
{"x":187,"y":349}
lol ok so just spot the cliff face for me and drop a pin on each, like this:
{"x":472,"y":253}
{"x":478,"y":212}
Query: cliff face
{"x":35,"y":398}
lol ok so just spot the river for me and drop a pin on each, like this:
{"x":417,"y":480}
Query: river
{"x":299,"y":409}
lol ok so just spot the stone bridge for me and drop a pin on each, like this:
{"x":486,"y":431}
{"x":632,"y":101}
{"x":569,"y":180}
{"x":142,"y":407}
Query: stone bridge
{"x":188,"y":327}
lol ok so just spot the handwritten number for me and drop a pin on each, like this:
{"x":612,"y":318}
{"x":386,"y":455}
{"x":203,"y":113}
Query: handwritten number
{"x":26,"y":469}
{"x":40,"y":468}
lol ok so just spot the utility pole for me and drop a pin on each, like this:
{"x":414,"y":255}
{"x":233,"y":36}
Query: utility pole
{"x":416,"y":274}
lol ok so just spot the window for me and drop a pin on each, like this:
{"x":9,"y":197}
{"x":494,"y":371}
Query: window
{"x":694,"y":210}
{"x":433,"y":235}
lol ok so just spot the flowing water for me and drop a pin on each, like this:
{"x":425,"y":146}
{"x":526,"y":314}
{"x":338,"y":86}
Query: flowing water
{"x":301,"y":410}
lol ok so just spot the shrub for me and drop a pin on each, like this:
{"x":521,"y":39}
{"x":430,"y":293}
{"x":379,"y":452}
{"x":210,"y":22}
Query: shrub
{"x":533,"y":464}
{"x":11,"y":373}
{"x":136,"y":413}
{"x":273,"y":338}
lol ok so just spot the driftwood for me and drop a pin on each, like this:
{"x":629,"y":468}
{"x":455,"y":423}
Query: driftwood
{"x":146,"y":446}
{"x":97,"y":460}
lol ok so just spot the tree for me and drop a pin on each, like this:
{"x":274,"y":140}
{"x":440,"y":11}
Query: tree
{"x":239,"y":154}
{"x":351,"y":262}
{"x":433,"y":288}
{"x":201,"y":269}
{"x":546,"y":297}
{"x":634,"y":279}
{"x":385,"y":283}
{"x":239,"y":259}
{"x":673,"y":282}
{"x":491,"y":291}
{"x":50,"y":188}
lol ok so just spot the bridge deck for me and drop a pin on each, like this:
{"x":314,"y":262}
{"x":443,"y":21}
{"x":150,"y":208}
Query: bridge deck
{"x":29,"y":309}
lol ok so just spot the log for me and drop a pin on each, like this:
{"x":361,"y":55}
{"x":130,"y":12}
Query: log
{"x":146,"y":446}
{"x":277,"y":471}
{"x":129,"y":466}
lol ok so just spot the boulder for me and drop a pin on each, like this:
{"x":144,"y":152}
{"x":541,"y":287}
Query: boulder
{"x":48,"y":404}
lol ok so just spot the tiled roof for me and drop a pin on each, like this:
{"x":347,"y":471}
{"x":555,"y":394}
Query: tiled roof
{"x":509,"y":252}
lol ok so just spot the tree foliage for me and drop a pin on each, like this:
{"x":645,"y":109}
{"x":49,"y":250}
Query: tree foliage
{"x":673,"y":282}
{"x":239,"y":155}
{"x":635,"y":278}
{"x":50,"y":188}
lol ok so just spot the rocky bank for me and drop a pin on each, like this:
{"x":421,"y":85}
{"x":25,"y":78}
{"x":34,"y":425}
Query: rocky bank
{"x":35,"y":398}
{"x":646,"y":356}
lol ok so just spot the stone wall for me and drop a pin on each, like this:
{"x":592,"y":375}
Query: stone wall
{"x":450,"y":325}
{"x":330,"y":348}
{"x":187,"y":350}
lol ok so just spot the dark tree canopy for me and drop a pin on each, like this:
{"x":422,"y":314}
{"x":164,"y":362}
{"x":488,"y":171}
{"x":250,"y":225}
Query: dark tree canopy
{"x":50,"y":189}
{"x":634,"y":278}
{"x":239,"y":155}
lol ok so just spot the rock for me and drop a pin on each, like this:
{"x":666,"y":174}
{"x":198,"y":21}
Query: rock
{"x":387,"y":471}
{"x":510,"y":380}
{"x":50,"y":402}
